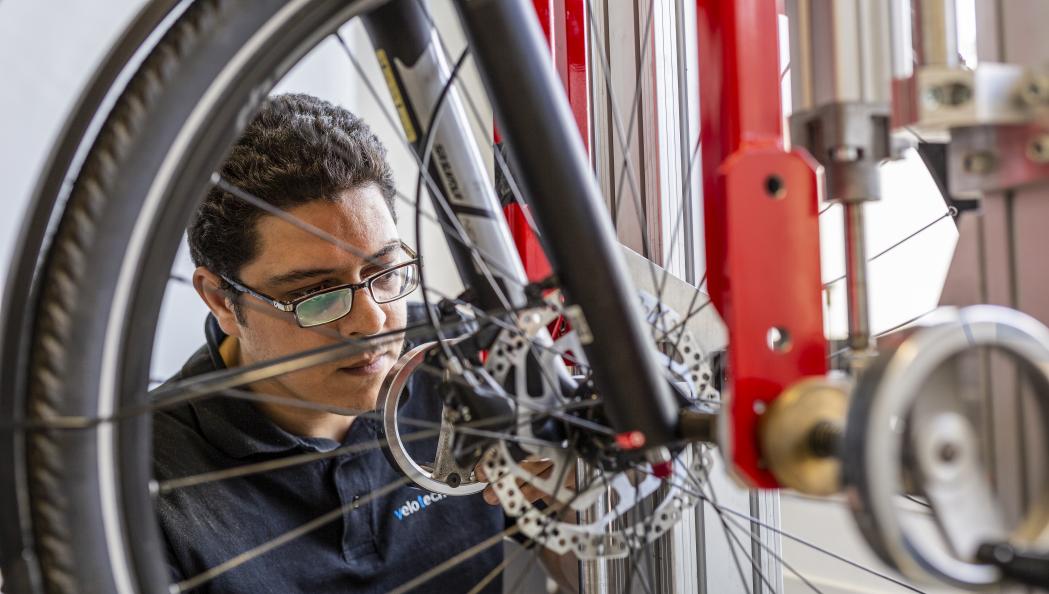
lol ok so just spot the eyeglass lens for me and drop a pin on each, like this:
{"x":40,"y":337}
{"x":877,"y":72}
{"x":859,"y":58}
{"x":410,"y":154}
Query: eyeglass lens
{"x":328,"y":307}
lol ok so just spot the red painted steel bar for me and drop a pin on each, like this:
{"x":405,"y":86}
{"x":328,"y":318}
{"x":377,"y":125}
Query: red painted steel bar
{"x":762,"y":233}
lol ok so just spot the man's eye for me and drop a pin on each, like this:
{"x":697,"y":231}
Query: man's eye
{"x":387,"y":281}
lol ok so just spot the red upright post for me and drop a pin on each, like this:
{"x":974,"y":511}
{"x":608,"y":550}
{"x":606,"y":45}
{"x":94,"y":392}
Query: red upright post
{"x":760,"y":209}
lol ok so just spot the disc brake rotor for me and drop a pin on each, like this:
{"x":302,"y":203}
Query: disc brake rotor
{"x":624,"y":490}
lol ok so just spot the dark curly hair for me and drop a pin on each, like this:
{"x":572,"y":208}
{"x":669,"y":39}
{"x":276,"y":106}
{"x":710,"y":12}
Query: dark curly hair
{"x":297,"y":149}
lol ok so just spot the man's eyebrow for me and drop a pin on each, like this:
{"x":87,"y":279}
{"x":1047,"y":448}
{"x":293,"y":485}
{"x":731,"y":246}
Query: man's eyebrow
{"x":386,"y":250}
{"x":302,"y":274}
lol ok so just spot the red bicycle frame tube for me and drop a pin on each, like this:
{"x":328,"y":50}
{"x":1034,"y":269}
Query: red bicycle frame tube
{"x":564,"y":25}
{"x":760,"y":210}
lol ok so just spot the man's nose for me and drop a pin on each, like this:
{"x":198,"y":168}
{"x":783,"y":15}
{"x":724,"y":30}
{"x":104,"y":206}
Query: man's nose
{"x":366,"y":317}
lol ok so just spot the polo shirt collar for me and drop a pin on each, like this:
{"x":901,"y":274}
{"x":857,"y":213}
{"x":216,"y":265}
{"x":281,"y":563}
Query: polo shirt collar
{"x":238,"y":428}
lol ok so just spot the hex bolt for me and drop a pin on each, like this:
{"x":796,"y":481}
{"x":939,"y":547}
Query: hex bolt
{"x":453,"y":480}
{"x":1035,"y":90}
{"x":948,"y":94}
{"x":1038,"y":149}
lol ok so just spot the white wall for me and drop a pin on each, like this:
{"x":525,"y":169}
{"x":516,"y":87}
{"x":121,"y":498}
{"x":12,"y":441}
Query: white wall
{"x":47,"y":53}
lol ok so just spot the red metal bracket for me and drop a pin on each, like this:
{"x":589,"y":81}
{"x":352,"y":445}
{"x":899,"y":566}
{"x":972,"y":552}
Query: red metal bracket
{"x":762,"y":232}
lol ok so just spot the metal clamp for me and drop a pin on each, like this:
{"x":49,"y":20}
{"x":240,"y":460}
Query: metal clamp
{"x":443,"y":475}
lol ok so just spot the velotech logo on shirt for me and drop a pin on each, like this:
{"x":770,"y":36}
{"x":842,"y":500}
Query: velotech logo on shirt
{"x":420,"y":503}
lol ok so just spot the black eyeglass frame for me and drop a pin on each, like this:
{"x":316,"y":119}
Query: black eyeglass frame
{"x":291,"y":306}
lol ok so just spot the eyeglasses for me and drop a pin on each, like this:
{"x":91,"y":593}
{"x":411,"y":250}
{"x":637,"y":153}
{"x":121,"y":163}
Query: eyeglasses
{"x":327,"y":305}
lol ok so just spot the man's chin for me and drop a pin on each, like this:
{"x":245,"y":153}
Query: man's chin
{"x":356,"y":392}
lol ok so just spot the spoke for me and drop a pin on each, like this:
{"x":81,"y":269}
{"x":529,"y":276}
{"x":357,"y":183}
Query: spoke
{"x":951,"y":212}
{"x":428,"y":143}
{"x":779,"y":558}
{"x":560,"y":510}
{"x":498,"y":569}
{"x":887,"y":331}
{"x":289,"y":461}
{"x":794,"y":538}
{"x":456,"y":560}
{"x":735,"y":558}
{"x":482,"y":124}
{"x":688,"y":317}
{"x":757,"y":565}
{"x":617,"y":123}
{"x":687,"y":197}
{"x":631,"y":551}
{"x":220,"y":182}
{"x":450,"y":230}
{"x":205,"y":577}
{"x":168,"y":486}
{"x":205,"y":384}
{"x":300,"y":402}
{"x":511,"y":328}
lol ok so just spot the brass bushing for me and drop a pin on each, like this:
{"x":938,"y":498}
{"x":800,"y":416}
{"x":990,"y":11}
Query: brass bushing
{"x":800,"y":433}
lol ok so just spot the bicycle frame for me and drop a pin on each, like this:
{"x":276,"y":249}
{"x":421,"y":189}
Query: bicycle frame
{"x":565,"y":200}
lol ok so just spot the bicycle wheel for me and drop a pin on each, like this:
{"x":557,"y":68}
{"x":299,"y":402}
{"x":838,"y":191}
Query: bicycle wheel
{"x":87,"y":472}
{"x":87,"y":488}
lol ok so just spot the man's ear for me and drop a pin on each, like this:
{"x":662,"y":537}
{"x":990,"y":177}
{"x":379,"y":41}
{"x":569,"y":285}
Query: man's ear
{"x":209,"y":287}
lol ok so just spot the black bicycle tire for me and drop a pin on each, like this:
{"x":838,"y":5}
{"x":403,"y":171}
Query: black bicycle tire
{"x":66,"y":494}
{"x":77,"y":498}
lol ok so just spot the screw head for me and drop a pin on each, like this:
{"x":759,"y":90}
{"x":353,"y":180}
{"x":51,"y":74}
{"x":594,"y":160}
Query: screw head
{"x":1038,"y":149}
{"x":948,"y":94}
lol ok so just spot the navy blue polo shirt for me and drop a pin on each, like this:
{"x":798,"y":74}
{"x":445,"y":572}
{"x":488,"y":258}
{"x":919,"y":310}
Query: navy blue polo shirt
{"x":375,"y":547}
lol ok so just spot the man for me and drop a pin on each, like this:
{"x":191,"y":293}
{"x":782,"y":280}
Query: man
{"x":324,"y":167}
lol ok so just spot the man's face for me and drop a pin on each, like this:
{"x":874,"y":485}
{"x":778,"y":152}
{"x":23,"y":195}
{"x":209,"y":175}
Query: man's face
{"x":291,"y":262}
